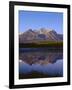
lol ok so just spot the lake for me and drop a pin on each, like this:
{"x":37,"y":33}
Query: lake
{"x":40,"y":63}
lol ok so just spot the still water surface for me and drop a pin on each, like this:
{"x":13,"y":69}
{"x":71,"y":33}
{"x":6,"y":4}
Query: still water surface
{"x":40,"y":63}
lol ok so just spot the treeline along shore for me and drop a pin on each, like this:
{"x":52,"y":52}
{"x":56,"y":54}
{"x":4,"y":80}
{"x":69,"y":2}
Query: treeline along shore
{"x":50,"y":45}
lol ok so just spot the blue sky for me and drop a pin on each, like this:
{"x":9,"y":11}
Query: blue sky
{"x":36,"y":20}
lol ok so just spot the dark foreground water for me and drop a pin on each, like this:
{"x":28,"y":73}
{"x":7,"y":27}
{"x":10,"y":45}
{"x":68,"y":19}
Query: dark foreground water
{"x":40,"y":63}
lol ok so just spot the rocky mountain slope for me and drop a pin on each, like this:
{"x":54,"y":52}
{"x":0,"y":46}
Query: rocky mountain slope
{"x":39,"y":35}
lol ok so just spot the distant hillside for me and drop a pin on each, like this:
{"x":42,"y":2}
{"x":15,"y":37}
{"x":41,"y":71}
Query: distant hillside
{"x":31,"y":36}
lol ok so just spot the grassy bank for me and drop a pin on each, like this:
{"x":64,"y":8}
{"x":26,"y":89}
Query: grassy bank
{"x":42,"y":44}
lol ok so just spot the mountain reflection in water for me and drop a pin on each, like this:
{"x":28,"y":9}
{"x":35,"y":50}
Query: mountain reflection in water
{"x":40,"y":64}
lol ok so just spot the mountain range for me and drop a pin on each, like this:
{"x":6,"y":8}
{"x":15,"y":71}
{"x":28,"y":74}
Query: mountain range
{"x":39,"y":35}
